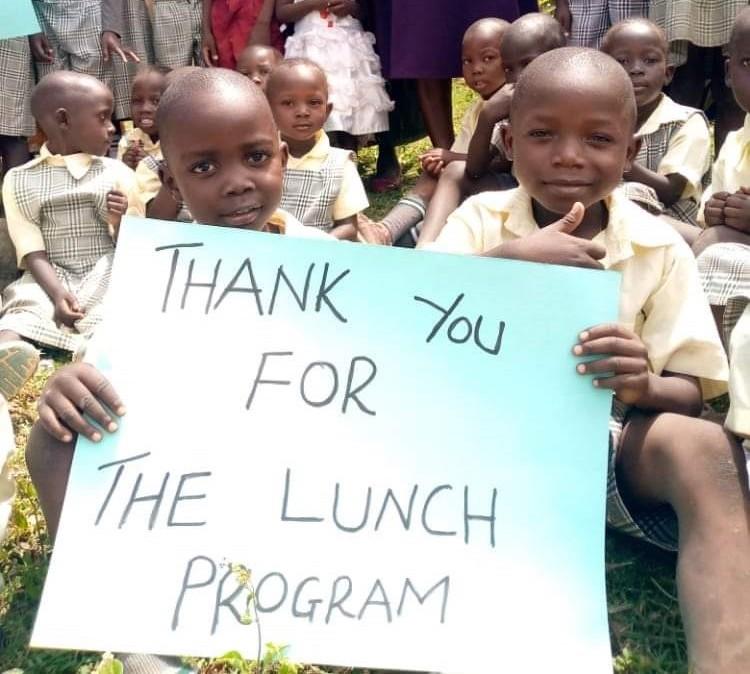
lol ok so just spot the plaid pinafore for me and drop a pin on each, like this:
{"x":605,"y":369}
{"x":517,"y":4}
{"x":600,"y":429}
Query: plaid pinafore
{"x":176,"y":27}
{"x":309,"y":195}
{"x":653,"y":148}
{"x":72,"y":217}
{"x":136,"y":35}
{"x":154,"y":164}
{"x":16,"y":83}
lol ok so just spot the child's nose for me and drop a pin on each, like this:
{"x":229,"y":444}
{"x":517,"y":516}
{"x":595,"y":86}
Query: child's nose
{"x":239,"y":182}
{"x":568,"y":152}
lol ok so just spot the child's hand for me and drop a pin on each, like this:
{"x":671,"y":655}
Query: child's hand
{"x":554,"y":244}
{"x":713,"y":213}
{"x":737,"y":210}
{"x":369,"y":231}
{"x":70,"y":393}
{"x":624,"y":358}
{"x":111,"y":44}
{"x":133,"y":154}
{"x":117,"y":206}
{"x":41,"y":49}
{"x":497,"y":107}
{"x":433,"y":161}
{"x":342,"y":7}
{"x":67,"y":309}
{"x":209,"y":51}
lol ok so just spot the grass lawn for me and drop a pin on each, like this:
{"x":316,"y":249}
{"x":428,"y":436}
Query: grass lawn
{"x":645,"y":626}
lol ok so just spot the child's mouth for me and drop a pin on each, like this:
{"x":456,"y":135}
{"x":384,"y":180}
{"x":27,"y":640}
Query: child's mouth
{"x":242,"y":217}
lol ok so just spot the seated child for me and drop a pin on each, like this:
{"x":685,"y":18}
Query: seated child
{"x":723,"y":249}
{"x":224,"y":159}
{"x":63,"y":210}
{"x":321,"y":185}
{"x":486,"y":167}
{"x":675,"y":153}
{"x":143,"y":139}
{"x":570,"y":136}
{"x":257,"y":62}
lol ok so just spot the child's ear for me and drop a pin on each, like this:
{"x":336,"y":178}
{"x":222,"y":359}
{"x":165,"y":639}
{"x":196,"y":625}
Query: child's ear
{"x":284,"y":153}
{"x":727,"y":73}
{"x":168,"y":181}
{"x":329,"y":108}
{"x":62,"y":118}
{"x":668,"y":74}
{"x":506,"y":135}
{"x":634,"y":147}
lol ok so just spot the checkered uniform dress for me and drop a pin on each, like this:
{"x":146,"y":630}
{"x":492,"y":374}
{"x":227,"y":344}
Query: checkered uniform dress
{"x":725,"y":272}
{"x":136,"y":35}
{"x":177,"y":29}
{"x":72,"y":216}
{"x":16,"y":83}
{"x":154,"y":165}
{"x":591,"y":19}
{"x":309,"y":195}
{"x":705,"y":23}
{"x":73,"y":28}
{"x":653,"y":147}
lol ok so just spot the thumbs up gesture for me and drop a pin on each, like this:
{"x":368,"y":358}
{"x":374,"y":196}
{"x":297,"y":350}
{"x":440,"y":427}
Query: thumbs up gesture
{"x":556,"y":244}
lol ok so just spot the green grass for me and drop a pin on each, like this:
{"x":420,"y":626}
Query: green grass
{"x":645,"y":626}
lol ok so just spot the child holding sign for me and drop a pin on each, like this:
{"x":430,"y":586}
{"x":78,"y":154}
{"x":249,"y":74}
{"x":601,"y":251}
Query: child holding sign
{"x":322,"y":187}
{"x":62,"y":210}
{"x":570,"y":136}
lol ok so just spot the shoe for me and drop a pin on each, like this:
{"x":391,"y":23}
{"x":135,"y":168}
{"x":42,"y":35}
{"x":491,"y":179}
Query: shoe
{"x":18,"y":362}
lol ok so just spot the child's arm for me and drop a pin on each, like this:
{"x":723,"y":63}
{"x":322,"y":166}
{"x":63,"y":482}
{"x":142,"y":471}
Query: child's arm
{"x":480,"y":154}
{"x":41,"y":49}
{"x":117,"y":206}
{"x":67,"y":309}
{"x":73,"y":391}
{"x":346,"y":229}
{"x":562,"y":14}
{"x":436,"y":159}
{"x":345,"y":8}
{"x":261,"y":32}
{"x":208,"y":43}
{"x":112,"y":28}
{"x":668,"y":188}
{"x":163,"y":206}
{"x":288,"y":11}
{"x":624,"y":361}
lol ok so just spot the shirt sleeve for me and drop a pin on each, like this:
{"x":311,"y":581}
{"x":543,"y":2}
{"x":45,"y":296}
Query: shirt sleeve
{"x":679,"y":330}
{"x":468,"y":126}
{"x":689,"y":155}
{"x":128,"y":185}
{"x":112,"y":16}
{"x":717,"y":184}
{"x":470,"y":230}
{"x":25,"y":234}
{"x":352,"y":198}
{"x":738,"y":417}
{"x":148,"y":181}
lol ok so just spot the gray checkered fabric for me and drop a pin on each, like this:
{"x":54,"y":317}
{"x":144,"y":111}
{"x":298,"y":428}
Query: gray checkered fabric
{"x":136,"y":35}
{"x":653,"y":148}
{"x":72,"y":216}
{"x":590,"y":19}
{"x":309,"y":195}
{"x":658,"y":525}
{"x":176,"y":28}
{"x":154,"y":165}
{"x":73,"y":28}
{"x":706,"y":23}
{"x":16,"y":83}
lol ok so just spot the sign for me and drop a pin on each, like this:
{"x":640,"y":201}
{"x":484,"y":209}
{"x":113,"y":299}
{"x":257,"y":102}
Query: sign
{"x":17,"y":18}
{"x":395,"y":443}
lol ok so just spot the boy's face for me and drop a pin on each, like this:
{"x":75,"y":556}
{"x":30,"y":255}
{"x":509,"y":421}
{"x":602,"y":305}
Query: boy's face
{"x":738,"y":69}
{"x":517,"y":52}
{"x":640,"y":50}
{"x":570,"y":145}
{"x":87,"y":124}
{"x":257,"y":64}
{"x":299,"y":101}
{"x":481,"y":62}
{"x":225,"y":161}
{"x":144,"y":101}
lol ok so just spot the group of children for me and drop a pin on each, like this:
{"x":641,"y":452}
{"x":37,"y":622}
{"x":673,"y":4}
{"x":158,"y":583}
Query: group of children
{"x":569,"y":156}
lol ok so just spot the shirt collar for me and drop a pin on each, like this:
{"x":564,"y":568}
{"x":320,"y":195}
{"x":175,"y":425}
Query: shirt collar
{"x":77,"y":164}
{"x":628,"y":228}
{"x":149,"y":145}
{"x":667,"y":111}
{"x":320,"y":150}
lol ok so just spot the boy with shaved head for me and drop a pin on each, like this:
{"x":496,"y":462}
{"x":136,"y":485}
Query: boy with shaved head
{"x":675,"y":480}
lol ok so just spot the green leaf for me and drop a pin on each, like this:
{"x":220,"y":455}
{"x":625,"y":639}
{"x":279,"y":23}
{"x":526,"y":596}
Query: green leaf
{"x":110,"y":667}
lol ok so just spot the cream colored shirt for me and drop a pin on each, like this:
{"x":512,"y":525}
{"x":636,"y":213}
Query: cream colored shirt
{"x":282,"y":222}
{"x":468,"y":127}
{"x":26,"y":234}
{"x":150,"y":147}
{"x":148,"y":180}
{"x":738,"y":417}
{"x":689,"y":150}
{"x":732,"y":166}
{"x":352,"y":198}
{"x":661,"y":297}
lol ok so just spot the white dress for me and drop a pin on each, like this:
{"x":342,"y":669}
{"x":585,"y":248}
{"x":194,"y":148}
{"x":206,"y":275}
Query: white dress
{"x":345,"y":52}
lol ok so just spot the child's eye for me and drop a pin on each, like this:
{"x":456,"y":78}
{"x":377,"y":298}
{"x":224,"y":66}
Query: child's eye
{"x":258,"y":157}
{"x":316,"y":102}
{"x":487,"y":59}
{"x":202,"y":167}
{"x":600,"y":138}
{"x":539,"y":133}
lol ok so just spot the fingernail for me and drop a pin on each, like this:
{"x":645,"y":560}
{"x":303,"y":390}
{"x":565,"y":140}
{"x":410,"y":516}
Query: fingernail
{"x":67,"y":438}
{"x":120,"y":410}
{"x":95,"y":437}
{"x":581,"y":369}
{"x":111,"y":426}
{"x":577,"y":349}
{"x":596,"y":383}
{"x":583,"y":336}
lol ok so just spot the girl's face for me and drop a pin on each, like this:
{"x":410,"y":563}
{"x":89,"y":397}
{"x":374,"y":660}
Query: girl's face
{"x":144,"y":102}
{"x":738,"y":67}
{"x":299,"y":101}
{"x":481,"y":62}
{"x":639,"y":49}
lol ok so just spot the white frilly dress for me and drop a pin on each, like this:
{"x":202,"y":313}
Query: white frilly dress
{"x":345,"y":52}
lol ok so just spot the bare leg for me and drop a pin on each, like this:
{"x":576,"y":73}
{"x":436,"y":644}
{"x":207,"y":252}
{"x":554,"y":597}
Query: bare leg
{"x":697,"y":468}
{"x":719,"y":234}
{"x":435,"y":102}
{"x":9,"y":336}
{"x":344,"y":140}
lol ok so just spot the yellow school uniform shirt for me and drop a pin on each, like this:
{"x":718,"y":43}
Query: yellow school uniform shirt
{"x":738,"y":417}
{"x":352,"y":198}
{"x":147,"y":176}
{"x":661,"y":298}
{"x":26,"y":235}
{"x":689,"y":151}
{"x":150,"y":147}
{"x":468,"y":127}
{"x":732,"y":167}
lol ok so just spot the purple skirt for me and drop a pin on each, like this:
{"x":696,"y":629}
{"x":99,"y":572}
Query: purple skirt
{"x":422,"y":38}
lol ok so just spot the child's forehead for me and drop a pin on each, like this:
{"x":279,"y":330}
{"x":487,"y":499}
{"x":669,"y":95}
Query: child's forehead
{"x":483,"y":37}
{"x":638,"y":35}
{"x":150,"y":80}
{"x":300,"y":76}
